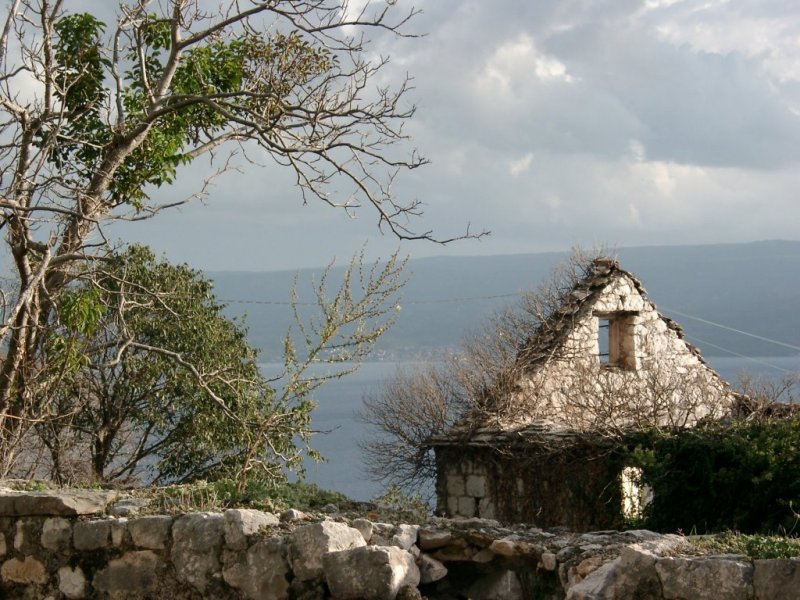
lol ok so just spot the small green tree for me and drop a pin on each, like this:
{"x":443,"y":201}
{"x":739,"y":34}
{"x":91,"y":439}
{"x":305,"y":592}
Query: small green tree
{"x":154,"y":383}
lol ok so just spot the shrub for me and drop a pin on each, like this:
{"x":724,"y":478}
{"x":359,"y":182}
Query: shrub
{"x":744,"y":476}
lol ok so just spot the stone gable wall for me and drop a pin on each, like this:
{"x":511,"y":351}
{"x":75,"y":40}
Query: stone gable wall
{"x":661,"y":379}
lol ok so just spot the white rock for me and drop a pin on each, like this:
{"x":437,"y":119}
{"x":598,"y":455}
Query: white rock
{"x":242,"y":522}
{"x":196,"y":544}
{"x":430,"y":569}
{"x":374,"y":572}
{"x":405,"y":536}
{"x":265,"y":573}
{"x":72,"y":582}
{"x":309,"y":543}
{"x":431,"y":539}
{"x":364,"y":526}
{"x":291,"y":515}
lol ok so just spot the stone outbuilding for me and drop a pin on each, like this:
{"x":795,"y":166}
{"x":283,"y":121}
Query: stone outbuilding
{"x":602,"y":363}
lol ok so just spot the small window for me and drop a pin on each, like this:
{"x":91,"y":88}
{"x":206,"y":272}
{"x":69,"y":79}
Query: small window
{"x":616,"y":344}
{"x":604,"y":340}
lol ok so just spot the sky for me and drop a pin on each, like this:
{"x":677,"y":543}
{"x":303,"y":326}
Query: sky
{"x":551,"y":124}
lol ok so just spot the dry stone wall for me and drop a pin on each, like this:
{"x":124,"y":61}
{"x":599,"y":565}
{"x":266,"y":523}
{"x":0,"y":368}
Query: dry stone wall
{"x":54,"y":547}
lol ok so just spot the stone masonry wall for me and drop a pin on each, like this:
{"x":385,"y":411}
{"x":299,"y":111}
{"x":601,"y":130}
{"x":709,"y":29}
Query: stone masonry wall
{"x":463,"y":487}
{"x":576,"y":487}
{"x":656,"y":377}
{"x":60,"y":545}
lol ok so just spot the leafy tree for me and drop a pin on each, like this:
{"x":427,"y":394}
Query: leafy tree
{"x":159,"y":385}
{"x":97,"y":114}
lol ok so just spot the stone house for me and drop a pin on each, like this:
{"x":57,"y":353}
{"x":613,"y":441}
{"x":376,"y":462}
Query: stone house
{"x":602,"y":363}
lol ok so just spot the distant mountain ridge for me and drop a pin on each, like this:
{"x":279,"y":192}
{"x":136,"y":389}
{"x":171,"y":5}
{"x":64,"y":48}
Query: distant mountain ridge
{"x":752,"y":287}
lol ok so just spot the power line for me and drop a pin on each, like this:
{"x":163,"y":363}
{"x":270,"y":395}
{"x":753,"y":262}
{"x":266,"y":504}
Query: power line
{"x":402,"y":302}
{"x":721,"y":326}
{"x":750,"y":358}
{"x":456,"y":300}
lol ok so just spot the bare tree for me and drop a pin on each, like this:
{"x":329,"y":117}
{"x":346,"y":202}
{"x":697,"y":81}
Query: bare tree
{"x":97,"y":115}
{"x":471,"y":386}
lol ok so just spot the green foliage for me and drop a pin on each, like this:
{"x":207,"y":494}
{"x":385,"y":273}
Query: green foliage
{"x":147,"y":374}
{"x":396,"y":506}
{"x":165,"y":379}
{"x":214,"y":84}
{"x":300,"y":495}
{"x":753,"y":546}
{"x":156,"y":385}
{"x":227,"y":493}
{"x":744,"y":476}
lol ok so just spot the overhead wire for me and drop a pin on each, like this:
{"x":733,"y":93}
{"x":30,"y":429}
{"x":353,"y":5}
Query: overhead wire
{"x":515,"y":294}
{"x":733,"y":329}
{"x":752,"y":359}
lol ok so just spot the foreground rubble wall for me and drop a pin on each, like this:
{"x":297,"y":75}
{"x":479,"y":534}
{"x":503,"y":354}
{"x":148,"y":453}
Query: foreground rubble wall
{"x":79,"y":546}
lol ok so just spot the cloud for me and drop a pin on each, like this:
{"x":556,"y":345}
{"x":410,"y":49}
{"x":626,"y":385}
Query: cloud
{"x":553,"y":123}
{"x":522,"y":164}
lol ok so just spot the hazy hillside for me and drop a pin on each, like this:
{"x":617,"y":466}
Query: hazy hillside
{"x":751,"y":287}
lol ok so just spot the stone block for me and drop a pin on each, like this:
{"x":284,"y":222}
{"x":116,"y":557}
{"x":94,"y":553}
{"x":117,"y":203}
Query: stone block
{"x":476,"y":486}
{"x":776,"y":579}
{"x":28,"y":571}
{"x":292,"y":515}
{"x":405,"y":536}
{"x":455,"y":484}
{"x":364,"y":526}
{"x":151,"y":533}
{"x":430,"y":569}
{"x":264,"y":574}
{"x":240,"y":523}
{"x":483,"y":556}
{"x":56,"y":534}
{"x":196,"y":545}
{"x":119,"y":529}
{"x":91,"y":535}
{"x":134,"y":574}
{"x":549,"y":562}
{"x":486,"y":509}
{"x":452,"y":505}
{"x":375,"y":572}
{"x":610,"y":580}
{"x":27,"y":535}
{"x":309,"y":543}
{"x":459,"y":550}
{"x":72,"y":582}
{"x":430,"y":539}
{"x":55,"y":503}
{"x":466,"y":506}
{"x":511,"y":545}
{"x":705,"y":578}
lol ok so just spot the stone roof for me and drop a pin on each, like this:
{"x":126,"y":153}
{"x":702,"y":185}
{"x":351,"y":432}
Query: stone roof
{"x":540,"y":431}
